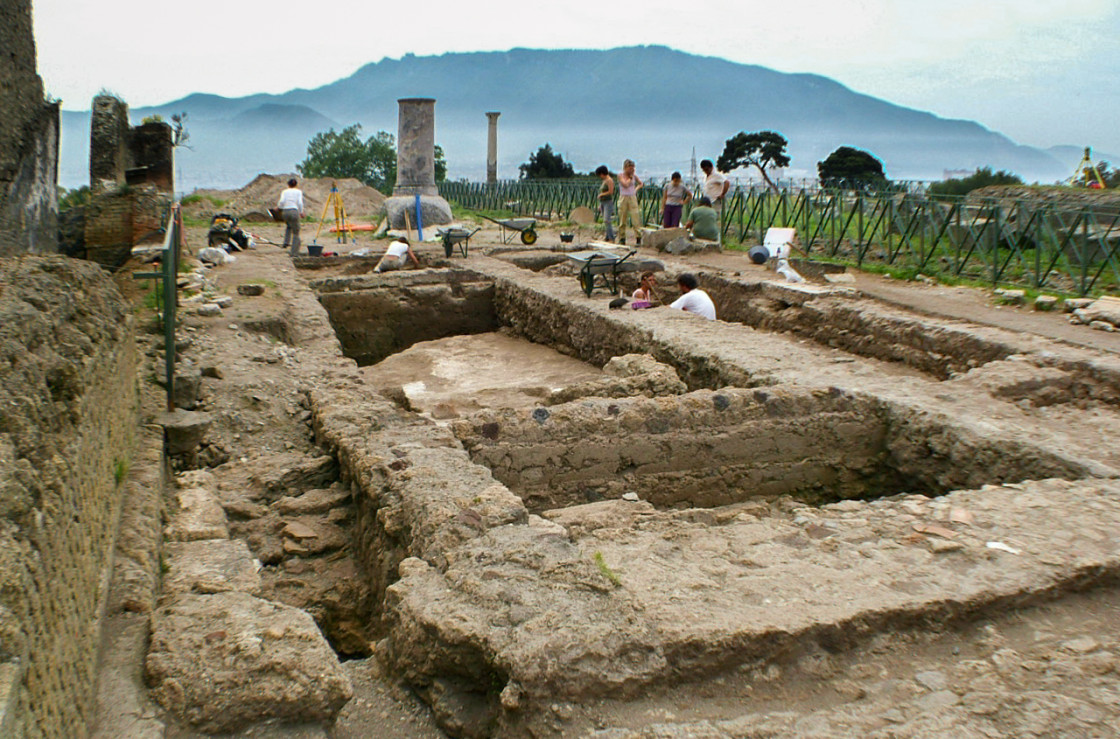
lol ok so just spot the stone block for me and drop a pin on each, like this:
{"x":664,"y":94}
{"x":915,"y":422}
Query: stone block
{"x":185,"y":430}
{"x":659,"y":237}
{"x":221,"y":662}
{"x":200,"y":516}
{"x":211,"y":566}
{"x":250,"y":290}
{"x":1045,"y":302}
{"x":434,"y":211}
{"x":188,"y":385}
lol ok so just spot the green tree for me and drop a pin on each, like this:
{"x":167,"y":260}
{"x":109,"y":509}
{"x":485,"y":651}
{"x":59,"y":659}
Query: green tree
{"x":373,"y":161}
{"x":761,"y":150}
{"x":441,"y":164}
{"x":546,"y":164}
{"x":982,"y":177}
{"x":851,"y":168}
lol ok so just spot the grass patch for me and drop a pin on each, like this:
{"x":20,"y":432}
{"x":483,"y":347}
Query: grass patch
{"x":120,"y":470}
{"x":606,"y":571}
{"x":193,"y":198}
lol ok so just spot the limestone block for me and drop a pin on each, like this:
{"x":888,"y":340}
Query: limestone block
{"x":211,"y":566}
{"x":221,"y":662}
{"x":1069,"y":305}
{"x":1045,"y":302}
{"x":185,"y":430}
{"x":1105,"y":309}
{"x":188,"y":383}
{"x":200,"y":516}
{"x":313,"y":501}
{"x":659,"y":237}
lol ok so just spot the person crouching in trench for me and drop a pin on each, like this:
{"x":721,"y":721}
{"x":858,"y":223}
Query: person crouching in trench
{"x":395,"y":256}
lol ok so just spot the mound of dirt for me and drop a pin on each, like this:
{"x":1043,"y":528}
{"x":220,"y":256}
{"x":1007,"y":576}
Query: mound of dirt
{"x":251,"y":203}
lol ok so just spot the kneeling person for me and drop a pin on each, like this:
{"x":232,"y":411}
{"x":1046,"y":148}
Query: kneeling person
{"x":394,"y":257}
{"x":693,"y":299}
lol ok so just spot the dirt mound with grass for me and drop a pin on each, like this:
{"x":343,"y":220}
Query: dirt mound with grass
{"x":251,"y":203}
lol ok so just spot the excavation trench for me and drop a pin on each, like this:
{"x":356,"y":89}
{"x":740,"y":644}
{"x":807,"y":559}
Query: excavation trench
{"x":503,"y":559}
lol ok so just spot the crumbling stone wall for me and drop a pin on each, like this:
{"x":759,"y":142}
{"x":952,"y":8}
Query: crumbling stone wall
{"x":108,"y":143}
{"x":68,"y":410}
{"x":28,"y":142}
{"x":131,"y":179}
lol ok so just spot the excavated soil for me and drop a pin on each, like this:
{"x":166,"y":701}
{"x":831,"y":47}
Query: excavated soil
{"x":824,"y":516}
{"x":252,"y":201}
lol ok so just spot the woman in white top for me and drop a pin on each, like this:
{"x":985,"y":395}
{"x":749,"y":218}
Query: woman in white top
{"x":394,"y":257}
{"x":291,"y":210}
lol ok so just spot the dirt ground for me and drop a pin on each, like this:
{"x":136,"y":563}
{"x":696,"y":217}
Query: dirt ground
{"x":1050,"y":669}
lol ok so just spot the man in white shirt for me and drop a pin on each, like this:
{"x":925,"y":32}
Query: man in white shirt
{"x":693,"y":299}
{"x":394,"y":257}
{"x":291,"y":210}
{"x":716,"y":186}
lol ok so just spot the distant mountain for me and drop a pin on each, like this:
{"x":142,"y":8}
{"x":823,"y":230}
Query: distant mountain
{"x":649,"y":103}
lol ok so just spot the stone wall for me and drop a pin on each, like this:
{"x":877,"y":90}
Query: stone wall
{"x":28,"y":142}
{"x":108,"y":143}
{"x":377,"y":316}
{"x":68,"y":411}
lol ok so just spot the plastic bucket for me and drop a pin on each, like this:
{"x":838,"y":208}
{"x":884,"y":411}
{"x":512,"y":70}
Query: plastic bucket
{"x":314,"y":250}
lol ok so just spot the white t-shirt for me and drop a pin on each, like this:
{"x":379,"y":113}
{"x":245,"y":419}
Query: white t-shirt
{"x":397,"y":249}
{"x":292,"y":198}
{"x":713,"y":185}
{"x":696,"y":301}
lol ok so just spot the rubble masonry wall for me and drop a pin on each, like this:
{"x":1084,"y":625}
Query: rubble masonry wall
{"x":68,"y":413}
{"x":29,"y":129}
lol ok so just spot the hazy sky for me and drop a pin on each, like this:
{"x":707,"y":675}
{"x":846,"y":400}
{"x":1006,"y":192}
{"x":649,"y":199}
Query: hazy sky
{"x":1041,"y":71}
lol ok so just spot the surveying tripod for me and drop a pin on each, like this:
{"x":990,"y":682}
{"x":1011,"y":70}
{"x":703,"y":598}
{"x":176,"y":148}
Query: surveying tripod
{"x":342,"y":224}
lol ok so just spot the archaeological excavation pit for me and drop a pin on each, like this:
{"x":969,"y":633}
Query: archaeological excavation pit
{"x":380,"y":315}
{"x":715,"y":448}
{"x":777,"y":510}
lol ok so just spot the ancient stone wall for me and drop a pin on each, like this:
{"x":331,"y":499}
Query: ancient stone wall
{"x":374,"y":323}
{"x":108,"y":143}
{"x":68,"y":410}
{"x":28,"y":142}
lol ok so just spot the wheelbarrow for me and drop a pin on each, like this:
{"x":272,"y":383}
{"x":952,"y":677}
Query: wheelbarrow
{"x":599,"y":270}
{"x":527,"y":227}
{"x":452,"y":237}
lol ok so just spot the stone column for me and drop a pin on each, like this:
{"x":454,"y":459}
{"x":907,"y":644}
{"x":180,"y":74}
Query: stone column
{"x":492,"y":149}
{"x":416,"y":166}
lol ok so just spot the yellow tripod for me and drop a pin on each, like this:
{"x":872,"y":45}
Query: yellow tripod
{"x":1087,"y":172}
{"x":342,"y":224}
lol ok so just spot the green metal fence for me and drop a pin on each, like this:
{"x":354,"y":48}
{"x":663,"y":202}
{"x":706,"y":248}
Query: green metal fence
{"x":1041,"y":244}
{"x":167,"y":295}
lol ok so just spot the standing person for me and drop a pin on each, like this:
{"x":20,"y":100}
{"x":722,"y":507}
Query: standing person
{"x":606,"y":198}
{"x":673,"y":200}
{"x":291,"y":208}
{"x":628,"y":208}
{"x":693,"y":299}
{"x":716,"y":186}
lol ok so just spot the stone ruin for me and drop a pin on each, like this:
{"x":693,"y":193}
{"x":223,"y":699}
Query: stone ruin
{"x":29,"y":128}
{"x":131,"y":171}
{"x":416,"y":168}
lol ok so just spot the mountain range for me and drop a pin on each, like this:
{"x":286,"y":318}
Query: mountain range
{"x":649,"y":103}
